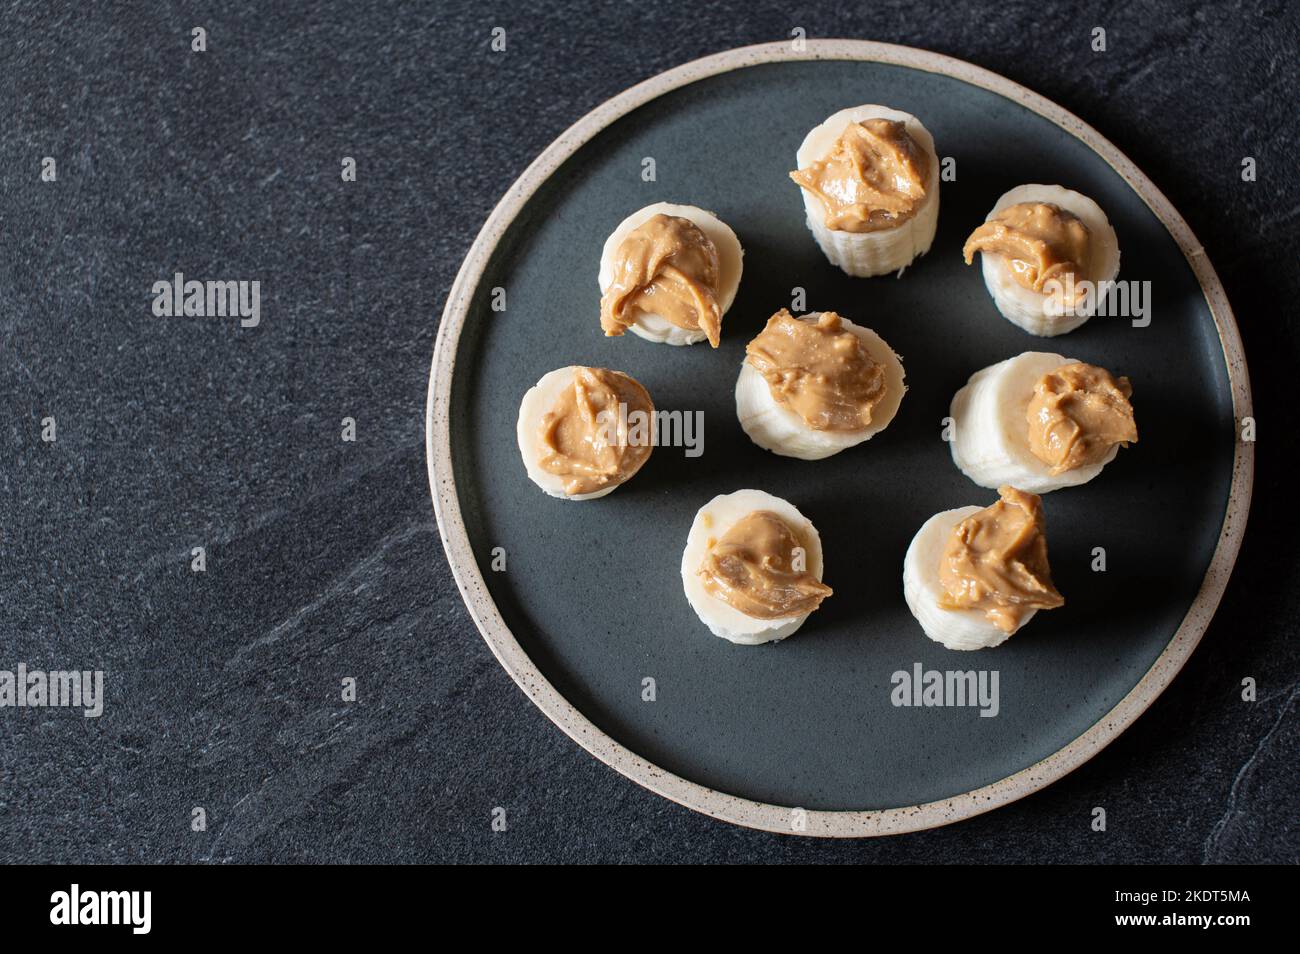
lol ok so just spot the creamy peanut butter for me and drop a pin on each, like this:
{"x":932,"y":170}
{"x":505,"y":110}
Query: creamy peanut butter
{"x":666,"y":266}
{"x":873,"y":178}
{"x":819,"y":369}
{"x":1039,"y":241}
{"x":996,"y":561}
{"x":1077,"y":414}
{"x":593,"y":436}
{"x":759,"y":567}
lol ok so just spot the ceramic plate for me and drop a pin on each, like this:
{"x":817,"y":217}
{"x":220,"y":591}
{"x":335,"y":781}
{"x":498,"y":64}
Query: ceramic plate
{"x":805,"y":735}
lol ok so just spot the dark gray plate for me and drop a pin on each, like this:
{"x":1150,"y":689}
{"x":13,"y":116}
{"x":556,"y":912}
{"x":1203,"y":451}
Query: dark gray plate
{"x":592,"y":592}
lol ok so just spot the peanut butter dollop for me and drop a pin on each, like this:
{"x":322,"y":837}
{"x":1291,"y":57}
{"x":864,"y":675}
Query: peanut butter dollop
{"x":668,"y":267}
{"x":1040,"y":242}
{"x":996,"y":561}
{"x":1078,"y":412}
{"x":599,"y":432}
{"x":819,"y":369}
{"x":759,"y":568}
{"x":873,"y":178}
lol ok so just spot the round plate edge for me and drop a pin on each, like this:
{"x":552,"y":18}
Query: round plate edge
{"x":740,"y":811}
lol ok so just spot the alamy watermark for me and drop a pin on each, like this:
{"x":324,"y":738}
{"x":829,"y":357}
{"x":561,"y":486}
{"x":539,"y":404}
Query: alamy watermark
{"x":1113,"y":299}
{"x":130,"y":908}
{"x":23,"y":688}
{"x":208,"y":299}
{"x":624,"y":428}
{"x":948,"y":688}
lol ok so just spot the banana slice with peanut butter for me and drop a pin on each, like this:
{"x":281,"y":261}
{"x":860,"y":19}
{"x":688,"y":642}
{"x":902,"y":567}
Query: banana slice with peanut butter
{"x":815,"y":385}
{"x":869,"y":176}
{"x":1045,"y":252}
{"x":752,"y":567}
{"x":668,"y":273}
{"x":584,"y":432}
{"x":1040,"y":421}
{"x":974,"y":576}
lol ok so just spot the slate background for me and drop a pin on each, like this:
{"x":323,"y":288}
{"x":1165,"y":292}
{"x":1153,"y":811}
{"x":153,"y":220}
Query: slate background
{"x":323,"y":557}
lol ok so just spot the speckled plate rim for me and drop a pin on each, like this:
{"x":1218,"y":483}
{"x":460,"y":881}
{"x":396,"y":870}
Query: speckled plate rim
{"x":741,"y":811}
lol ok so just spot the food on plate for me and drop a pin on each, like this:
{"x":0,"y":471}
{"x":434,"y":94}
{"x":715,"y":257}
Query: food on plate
{"x":669,"y":273}
{"x":812,"y":386}
{"x":870,"y":182}
{"x":1045,"y":252}
{"x":752,"y":567}
{"x":1041,"y":422}
{"x":974,"y":576}
{"x":583,"y":432}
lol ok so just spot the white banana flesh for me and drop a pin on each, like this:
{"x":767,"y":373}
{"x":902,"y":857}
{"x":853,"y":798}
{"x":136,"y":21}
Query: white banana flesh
{"x":962,"y":629}
{"x":730,"y":265}
{"x":1028,"y":309}
{"x":990,"y":430}
{"x":780,"y":430}
{"x":713,"y":520}
{"x":867,"y":254}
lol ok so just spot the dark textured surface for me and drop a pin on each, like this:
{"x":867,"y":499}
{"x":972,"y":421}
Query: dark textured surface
{"x":324,"y":562}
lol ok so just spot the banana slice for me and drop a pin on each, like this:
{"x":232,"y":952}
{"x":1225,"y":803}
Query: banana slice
{"x":730,"y":265}
{"x":1029,"y":309}
{"x":990,"y":431}
{"x":955,"y":628}
{"x":712,"y":521}
{"x":543,"y":398}
{"x":866,"y":254}
{"x":780,"y":430}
